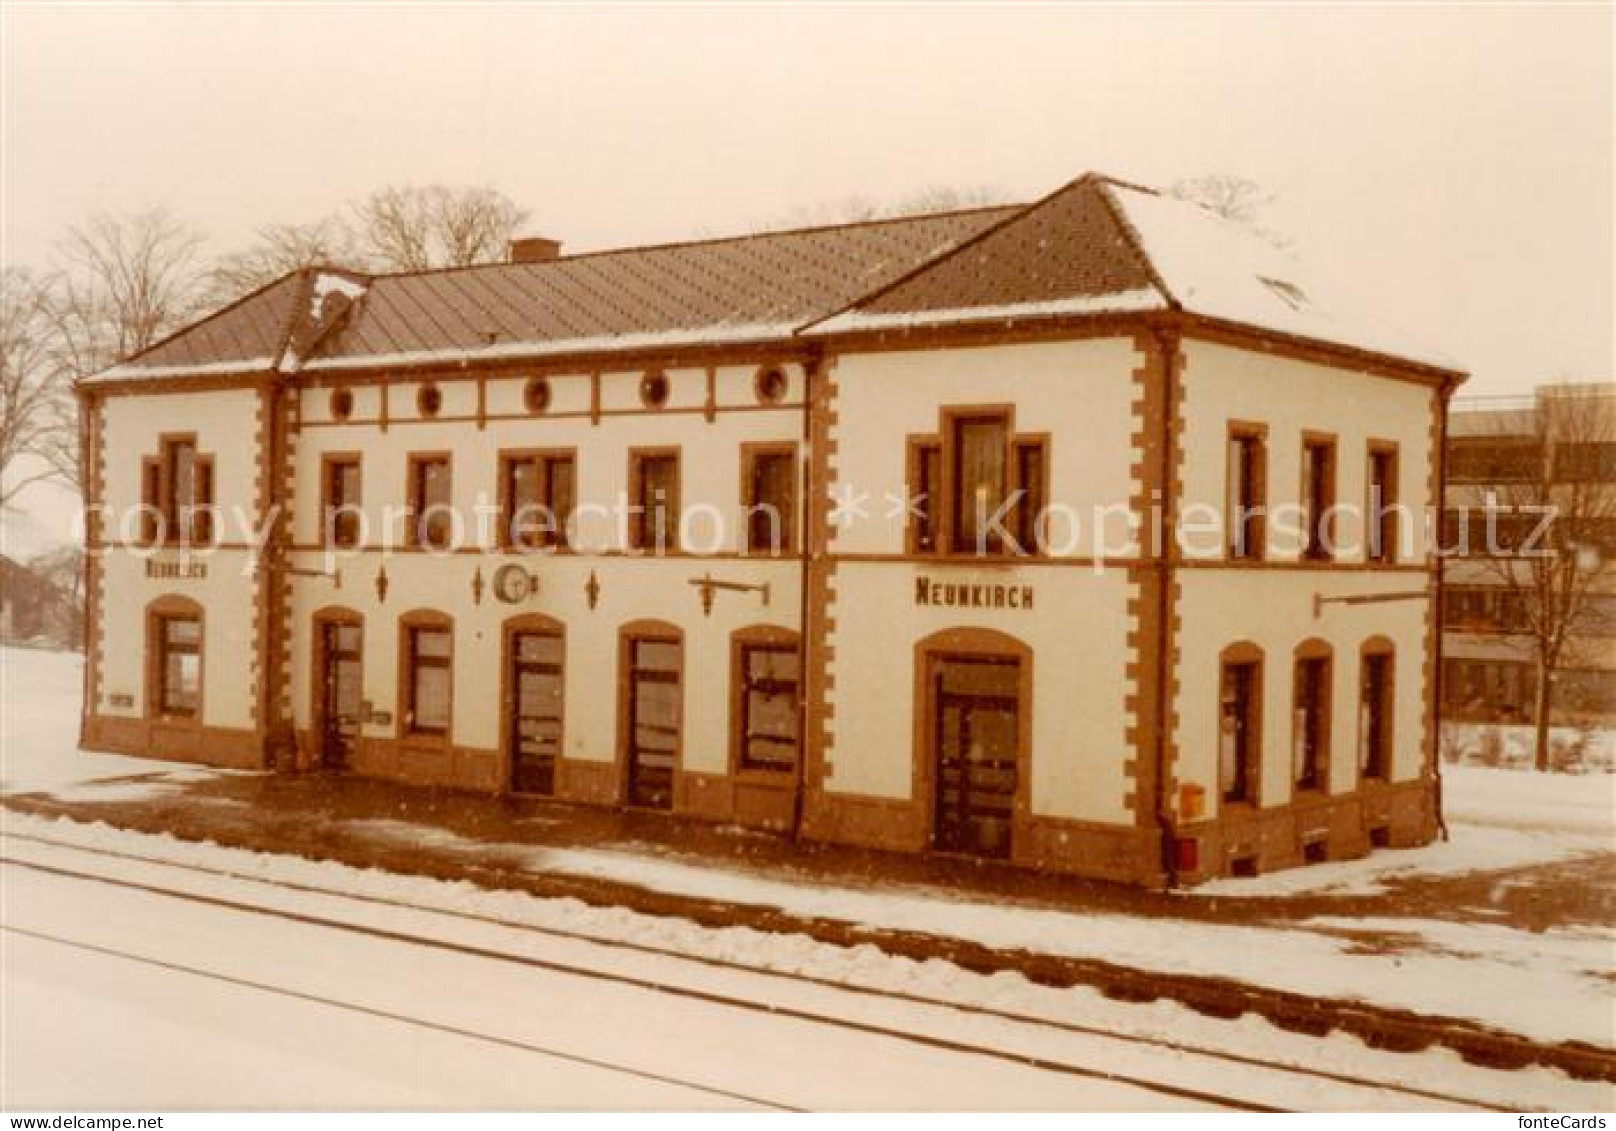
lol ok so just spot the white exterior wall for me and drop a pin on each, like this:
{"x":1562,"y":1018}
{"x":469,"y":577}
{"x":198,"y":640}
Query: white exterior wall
{"x":1080,"y":393}
{"x":631,"y":588}
{"x":1272,"y":606}
{"x":225,"y":424}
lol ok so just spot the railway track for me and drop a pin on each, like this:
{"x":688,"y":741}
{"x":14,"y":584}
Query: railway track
{"x":1020,"y":1020}
{"x":1381,"y":1027}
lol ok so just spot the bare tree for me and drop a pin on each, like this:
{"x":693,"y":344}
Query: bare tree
{"x":1564,"y":484}
{"x":35,"y":387}
{"x":410,"y":228}
{"x":280,"y":249}
{"x":126,"y":282}
{"x":1235,"y":198}
{"x":860,"y":209}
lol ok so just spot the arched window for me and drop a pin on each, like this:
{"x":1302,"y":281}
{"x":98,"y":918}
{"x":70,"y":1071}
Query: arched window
{"x":174,"y":659}
{"x":1310,"y":715}
{"x":765,"y":696}
{"x":1377,"y":683}
{"x":426,"y":674}
{"x":1240,"y":669}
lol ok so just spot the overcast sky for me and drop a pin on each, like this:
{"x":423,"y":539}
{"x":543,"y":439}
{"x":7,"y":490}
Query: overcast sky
{"x":1452,"y":164}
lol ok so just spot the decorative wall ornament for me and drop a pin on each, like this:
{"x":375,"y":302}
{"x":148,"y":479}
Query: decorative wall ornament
{"x":513,"y":584}
{"x":381,"y":585}
{"x":592,"y":589}
{"x":477,"y":586}
{"x":708,"y":585}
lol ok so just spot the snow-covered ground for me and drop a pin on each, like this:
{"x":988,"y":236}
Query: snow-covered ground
{"x":1551,"y":985}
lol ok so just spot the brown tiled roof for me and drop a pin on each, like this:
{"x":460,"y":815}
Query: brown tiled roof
{"x":248,"y":333}
{"x":1072,"y":244}
{"x":758,"y":287}
{"x":1095,"y":246}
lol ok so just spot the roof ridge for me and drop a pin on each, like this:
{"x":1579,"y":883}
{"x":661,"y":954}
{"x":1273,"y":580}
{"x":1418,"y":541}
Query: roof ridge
{"x":1135,"y":239}
{"x":708,"y":241}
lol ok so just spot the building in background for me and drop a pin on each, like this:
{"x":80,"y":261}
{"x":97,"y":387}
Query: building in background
{"x":1506,"y":457}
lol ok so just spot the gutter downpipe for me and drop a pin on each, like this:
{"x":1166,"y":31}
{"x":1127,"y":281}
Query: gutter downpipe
{"x":1435,"y":705}
{"x":810,"y":375}
{"x":1163,"y":553}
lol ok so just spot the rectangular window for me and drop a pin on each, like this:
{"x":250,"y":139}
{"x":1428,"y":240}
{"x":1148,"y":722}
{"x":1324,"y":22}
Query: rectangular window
{"x":769,"y":675}
{"x":538,"y":495}
{"x":151,"y":498}
{"x":1030,"y":485}
{"x":1318,"y":499}
{"x":1311,"y":721}
{"x":1238,"y":739}
{"x":654,"y":482}
{"x":980,"y":445}
{"x":341,"y":501}
{"x":1380,"y":508}
{"x":179,"y":666}
{"x":429,"y":676}
{"x":925,"y":496}
{"x":1375,"y":716}
{"x":770,"y":486}
{"x":431,"y":522}
{"x":1246,"y":494}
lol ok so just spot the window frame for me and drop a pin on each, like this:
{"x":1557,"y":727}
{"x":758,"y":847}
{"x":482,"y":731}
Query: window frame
{"x":1246,"y":540}
{"x":414,"y":484}
{"x":331,"y":464}
{"x":1312,"y":655}
{"x":751,"y":455}
{"x":1248,"y":761}
{"x":639,"y":526}
{"x":160,"y":648}
{"x":410,"y":662}
{"x":1316,"y":491}
{"x":167,"y":519}
{"x":1383,"y":755}
{"x":556,"y":538}
{"x":1382,"y":530}
{"x":743,"y":643}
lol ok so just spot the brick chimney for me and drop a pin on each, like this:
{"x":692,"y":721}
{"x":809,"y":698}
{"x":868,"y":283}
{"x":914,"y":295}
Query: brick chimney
{"x":533,"y":249}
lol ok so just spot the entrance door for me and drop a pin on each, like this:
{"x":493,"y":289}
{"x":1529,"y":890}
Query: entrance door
{"x":342,"y":693}
{"x":535,"y":711}
{"x":976,"y":731}
{"x":653,"y":721}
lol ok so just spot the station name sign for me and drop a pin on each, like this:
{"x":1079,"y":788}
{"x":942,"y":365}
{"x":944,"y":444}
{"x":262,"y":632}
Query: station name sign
{"x":971,"y":595}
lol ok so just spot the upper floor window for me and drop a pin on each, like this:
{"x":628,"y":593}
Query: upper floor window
{"x":1380,"y":508}
{"x":177,"y":493}
{"x":538,"y":495}
{"x":431,"y":520}
{"x":1247,"y":490}
{"x":1318,"y":498}
{"x":341,"y":501}
{"x":654,"y":490}
{"x":978,"y":488}
{"x":769,"y":483}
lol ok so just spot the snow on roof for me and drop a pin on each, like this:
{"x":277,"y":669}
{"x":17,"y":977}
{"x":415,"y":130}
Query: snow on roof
{"x":1117,"y":302}
{"x":1224,"y":270}
{"x":132,"y":371}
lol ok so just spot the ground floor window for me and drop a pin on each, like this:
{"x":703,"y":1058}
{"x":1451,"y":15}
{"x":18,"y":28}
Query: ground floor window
{"x":1239,"y":728}
{"x":179,"y":666}
{"x":1310,"y":735}
{"x":536,"y":701}
{"x":769,"y":675}
{"x":428,"y":651}
{"x":654,"y":673}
